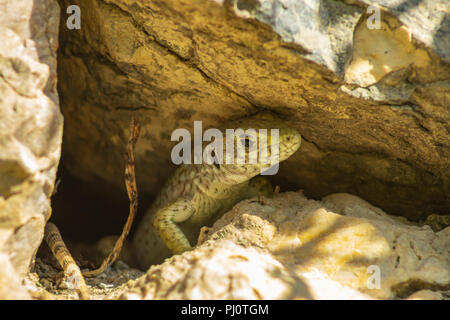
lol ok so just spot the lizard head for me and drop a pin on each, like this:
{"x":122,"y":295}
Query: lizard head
{"x":256,"y":145}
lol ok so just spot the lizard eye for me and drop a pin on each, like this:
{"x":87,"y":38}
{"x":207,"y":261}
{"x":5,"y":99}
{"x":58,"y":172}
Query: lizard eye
{"x":246,"y":142}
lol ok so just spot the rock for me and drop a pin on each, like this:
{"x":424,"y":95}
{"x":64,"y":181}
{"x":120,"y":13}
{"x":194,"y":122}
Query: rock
{"x":225,"y":270}
{"x":30,"y":132}
{"x":47,"y":284}
{"x":371,"y":104}
{"x":338,"y":248}
{"x":425,"y":295}
{"x":428,"y":21}
{"x":10,"y":283}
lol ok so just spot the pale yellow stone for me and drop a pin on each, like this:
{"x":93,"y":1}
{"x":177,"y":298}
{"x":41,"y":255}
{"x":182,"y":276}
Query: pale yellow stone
{"x":378,"y":52}
{"x":425,"y":295}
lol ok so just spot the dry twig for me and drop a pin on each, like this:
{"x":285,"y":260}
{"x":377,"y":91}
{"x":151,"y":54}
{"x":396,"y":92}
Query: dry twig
{"x":54,"y":239}
{"x":130,"y":182}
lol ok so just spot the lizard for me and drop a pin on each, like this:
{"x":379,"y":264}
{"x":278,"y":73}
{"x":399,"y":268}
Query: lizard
{"x":193,"y":197}
{"x":197,"y":194}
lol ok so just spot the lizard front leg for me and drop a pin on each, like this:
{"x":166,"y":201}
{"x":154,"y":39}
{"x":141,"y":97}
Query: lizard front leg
{"x":258,"y":186}
{"x":165,"y":223}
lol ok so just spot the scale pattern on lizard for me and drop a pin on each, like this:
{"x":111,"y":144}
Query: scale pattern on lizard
{"x":197,"y":194}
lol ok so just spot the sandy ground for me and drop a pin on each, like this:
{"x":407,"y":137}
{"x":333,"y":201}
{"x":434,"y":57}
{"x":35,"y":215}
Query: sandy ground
{"x":46,"y":281}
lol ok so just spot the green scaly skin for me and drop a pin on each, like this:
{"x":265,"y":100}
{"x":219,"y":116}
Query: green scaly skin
{"x":196,"y":195}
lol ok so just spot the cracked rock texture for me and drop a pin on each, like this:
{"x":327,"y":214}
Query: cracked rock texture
{"x":30,"y":133}
{"x":291,"y":247}
{"x":371,"y":104}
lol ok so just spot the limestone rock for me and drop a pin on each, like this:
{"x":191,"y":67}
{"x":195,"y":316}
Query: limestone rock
{"x":428,"y":21}
{"x":343,"y":236}
{"x":30,"y":132}
{"x":224,"y":270}
{"x":200,"y":274}
{"x":339,"y":248}
{"x":425,"y":295}
{"x":10,"y":283}
{"x":371,"y":104}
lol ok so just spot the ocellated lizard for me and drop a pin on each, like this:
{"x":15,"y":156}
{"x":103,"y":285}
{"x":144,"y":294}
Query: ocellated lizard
{"x":197,"y":194}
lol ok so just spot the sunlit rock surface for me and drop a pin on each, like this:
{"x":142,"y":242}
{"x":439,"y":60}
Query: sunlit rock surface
{"x":30,"y":133}
{"x":291,"y":247}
